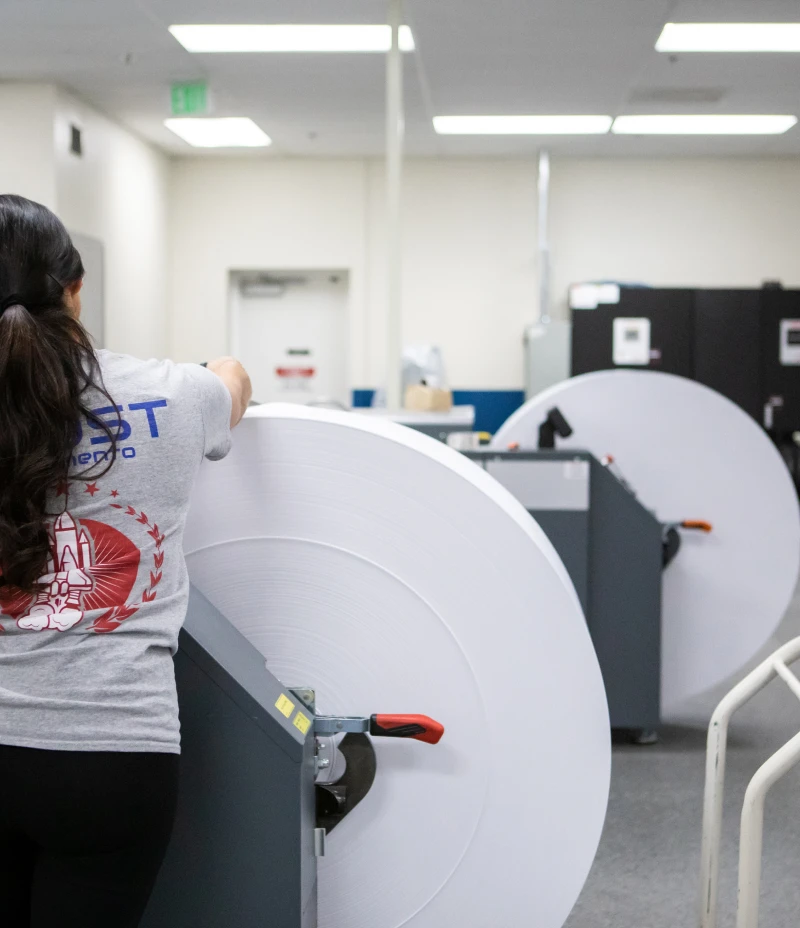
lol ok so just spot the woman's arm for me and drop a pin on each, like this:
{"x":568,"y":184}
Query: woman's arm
{"x":236,"y":379}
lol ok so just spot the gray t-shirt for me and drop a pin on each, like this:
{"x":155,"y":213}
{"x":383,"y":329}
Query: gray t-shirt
{"x":86,"y":665}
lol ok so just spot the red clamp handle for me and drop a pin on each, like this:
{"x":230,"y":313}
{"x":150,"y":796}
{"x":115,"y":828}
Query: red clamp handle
{"x":419,"y":727}
{"x":698,"y":525}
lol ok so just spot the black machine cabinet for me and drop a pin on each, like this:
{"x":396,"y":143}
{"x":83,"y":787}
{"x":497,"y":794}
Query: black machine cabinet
{"x":670,"y":313}
{"x":611,"y":546}
{"x":727,"y":336}
{"x":745,"y":344}
{"x":780,"y":360}
{"x":242,"y":852}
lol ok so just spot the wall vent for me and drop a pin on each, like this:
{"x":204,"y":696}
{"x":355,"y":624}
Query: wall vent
{"x":76,"y":141}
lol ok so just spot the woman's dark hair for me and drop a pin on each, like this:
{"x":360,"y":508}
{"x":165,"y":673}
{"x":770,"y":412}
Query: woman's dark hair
{"x":46,"y":365}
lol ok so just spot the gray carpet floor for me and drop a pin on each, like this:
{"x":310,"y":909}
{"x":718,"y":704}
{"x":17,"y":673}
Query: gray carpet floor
{"x":646,"y":874}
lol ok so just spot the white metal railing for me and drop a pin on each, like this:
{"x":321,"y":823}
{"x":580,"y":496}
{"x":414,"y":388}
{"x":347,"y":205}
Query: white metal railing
{"x":752,"y":826}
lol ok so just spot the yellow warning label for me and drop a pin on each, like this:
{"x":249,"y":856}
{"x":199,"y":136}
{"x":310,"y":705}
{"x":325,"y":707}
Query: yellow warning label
{"x":284,"y":705}
{"x":302,"y":723}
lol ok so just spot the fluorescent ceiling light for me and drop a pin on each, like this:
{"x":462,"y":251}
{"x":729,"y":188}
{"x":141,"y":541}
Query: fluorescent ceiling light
{"x":730,"y":37}
{"x":522,"y":125}
{"x":703,"y":125}
{"x":226,"y":132}
{"x":290,"y":38}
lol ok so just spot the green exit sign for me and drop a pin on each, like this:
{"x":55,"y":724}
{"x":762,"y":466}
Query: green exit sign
{"x":190,"y":99}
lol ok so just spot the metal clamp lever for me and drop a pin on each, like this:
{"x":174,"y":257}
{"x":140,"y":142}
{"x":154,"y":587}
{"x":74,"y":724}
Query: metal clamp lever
{"x":418,"y":727}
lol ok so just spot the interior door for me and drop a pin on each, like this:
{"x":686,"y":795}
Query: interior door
{"x":291,"y":333}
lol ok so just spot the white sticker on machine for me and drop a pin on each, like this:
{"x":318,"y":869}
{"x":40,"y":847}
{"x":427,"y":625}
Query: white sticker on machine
{"x":631,"y":344}
{"x":576,"y":470}
{"x":590,"y":296}
{"x":790,"y":342}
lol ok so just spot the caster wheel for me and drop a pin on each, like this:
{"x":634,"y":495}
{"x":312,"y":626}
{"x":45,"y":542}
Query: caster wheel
{"x":645,"y":736}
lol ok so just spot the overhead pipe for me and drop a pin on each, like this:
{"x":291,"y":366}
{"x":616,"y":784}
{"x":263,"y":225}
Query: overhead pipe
{"x":539,"y":328}
{"x":544,"y":237}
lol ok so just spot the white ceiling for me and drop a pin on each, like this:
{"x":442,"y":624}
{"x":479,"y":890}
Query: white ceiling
{"x":473,"y":56}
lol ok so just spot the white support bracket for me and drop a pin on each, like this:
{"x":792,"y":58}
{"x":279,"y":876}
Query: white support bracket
{"x":752,"y":824}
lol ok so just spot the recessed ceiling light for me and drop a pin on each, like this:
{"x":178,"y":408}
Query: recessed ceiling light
{"x":290,"y":38}
{"x":522,"y":125}
{"x":730,"y":37}
{"x":225,"y":132}
{"x":703,"y":125}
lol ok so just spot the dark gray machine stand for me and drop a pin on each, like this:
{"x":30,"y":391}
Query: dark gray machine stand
{"x":612,"y":548}
{"x":243,"y":850}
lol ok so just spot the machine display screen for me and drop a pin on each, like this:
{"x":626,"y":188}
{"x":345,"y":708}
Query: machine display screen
{"x":793,"y":337}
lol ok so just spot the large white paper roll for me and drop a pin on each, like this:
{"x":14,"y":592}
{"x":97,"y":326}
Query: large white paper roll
{"x":392,"y":575}
{"x":690,"y":453}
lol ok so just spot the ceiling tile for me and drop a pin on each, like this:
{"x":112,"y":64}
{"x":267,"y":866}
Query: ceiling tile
{"x":474,"y":56}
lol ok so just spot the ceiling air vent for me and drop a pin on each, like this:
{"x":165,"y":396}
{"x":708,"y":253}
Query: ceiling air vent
{"x":268,"y":285}
{"x":677,"y":95}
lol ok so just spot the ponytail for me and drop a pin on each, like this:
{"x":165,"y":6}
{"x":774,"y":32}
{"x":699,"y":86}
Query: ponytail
{"x":47,"y":364}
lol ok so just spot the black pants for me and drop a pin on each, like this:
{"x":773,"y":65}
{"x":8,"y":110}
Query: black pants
{"x":82,"y":835}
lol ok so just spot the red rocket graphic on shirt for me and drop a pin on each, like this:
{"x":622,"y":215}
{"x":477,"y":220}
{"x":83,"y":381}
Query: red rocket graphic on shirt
{"x":93,"y":567}
{"x":68,"y":579}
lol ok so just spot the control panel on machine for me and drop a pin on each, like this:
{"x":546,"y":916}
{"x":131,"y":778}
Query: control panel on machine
{"x":631,"y":344}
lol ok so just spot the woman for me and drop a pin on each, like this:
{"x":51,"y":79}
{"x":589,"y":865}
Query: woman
{"x":98,"y":454}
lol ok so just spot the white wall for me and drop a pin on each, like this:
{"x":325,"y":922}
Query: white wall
{"x":117,"y":193}
{"x":469,"y":274}
{"x":234,"y":215}
{"x":241,"y":215}
{"x":26,"y":141}
{"x":470,"y":250}
{"x":469,"y":271}
{"x":704,"y":223}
